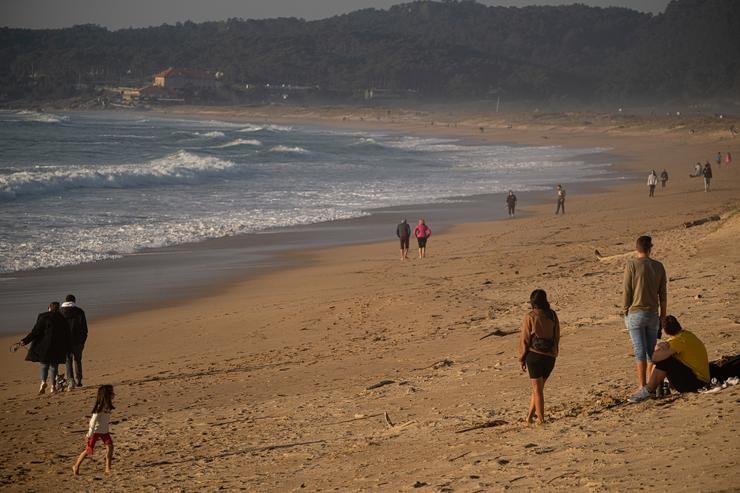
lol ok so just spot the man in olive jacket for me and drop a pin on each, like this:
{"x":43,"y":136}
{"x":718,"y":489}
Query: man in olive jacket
{"x":50,"y":344}
{"x":78,"y":335}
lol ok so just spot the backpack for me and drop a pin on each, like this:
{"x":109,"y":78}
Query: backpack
{"x":724,"y":368}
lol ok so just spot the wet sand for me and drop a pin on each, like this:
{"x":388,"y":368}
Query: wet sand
{"x":271,"y":383}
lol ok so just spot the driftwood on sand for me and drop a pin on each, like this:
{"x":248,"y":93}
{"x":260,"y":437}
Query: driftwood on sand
{"x":699,"y":222}
{"x":487,"y":424}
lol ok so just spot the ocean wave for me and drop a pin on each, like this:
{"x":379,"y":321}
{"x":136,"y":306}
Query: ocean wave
{"x":111,"y":242}
{"x":251,"y":127}
{"x":289,"y":149}
{"x":214,"y":134}
{"x":239,"y":142}
{"x":36,"y":116}
{"x":177,"y":168}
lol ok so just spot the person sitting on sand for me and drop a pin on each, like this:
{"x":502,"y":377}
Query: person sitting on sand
{"x":645,"y":296}
{"x":682,"y":358}
{"x":403,"y":231}
{"x":538,"y":347}
{"x":511,"y":202}
{"x":422,"y":234}
{"x":50,"y":344}
{"x":98,"y":429}
{"x":697,"y":170}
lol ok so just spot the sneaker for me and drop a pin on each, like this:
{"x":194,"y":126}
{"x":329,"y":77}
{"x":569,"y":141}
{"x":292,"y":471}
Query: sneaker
{"x":52,"y":389}
{"x":641,"y":395}
{"x":42,"y":389}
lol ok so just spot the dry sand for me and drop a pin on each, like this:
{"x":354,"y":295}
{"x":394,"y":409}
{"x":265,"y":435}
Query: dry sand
{"x":264,"y":385}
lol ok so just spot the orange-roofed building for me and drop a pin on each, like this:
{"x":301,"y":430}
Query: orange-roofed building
{"x":181,"y":78}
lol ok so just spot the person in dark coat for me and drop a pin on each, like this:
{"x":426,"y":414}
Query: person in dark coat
{"x":78,"y":335}
{"x":50,"y":343}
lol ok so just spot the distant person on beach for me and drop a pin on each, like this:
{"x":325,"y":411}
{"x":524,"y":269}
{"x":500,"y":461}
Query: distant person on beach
{"x":49,"y":340}
{"x":697,"y":170}
{"x":422,"y":234}
{"x":78,"y":335}
{"x":663,"y":178}
{"x":682,"y":358}
{"x":403,"y":231}
{"x":99,"y":428}
{"x":718,"y":158}
{"x":539,"y":339}
{"x":645,"y":304}
{"x":511,"y":203}
{"x":561,"y":200}
{"x":728,"y":158}
{"x":707,"y":174}
{"x":652,"y":181}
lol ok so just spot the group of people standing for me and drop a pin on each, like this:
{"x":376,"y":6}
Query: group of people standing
{"x":58,"y":337}
{"x":680,"y":362}
{"x":652,"y":181}
{"x":421,"y":232}
{"x":511,"y":201}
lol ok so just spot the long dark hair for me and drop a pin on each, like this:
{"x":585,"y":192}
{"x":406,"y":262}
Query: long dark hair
{"x":538,"y":299}
{"x":104,"y":402}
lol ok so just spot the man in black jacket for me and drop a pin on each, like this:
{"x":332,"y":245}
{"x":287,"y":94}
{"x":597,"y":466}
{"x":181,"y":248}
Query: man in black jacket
{"x":78,"y":335}
{"x":49,"y":341}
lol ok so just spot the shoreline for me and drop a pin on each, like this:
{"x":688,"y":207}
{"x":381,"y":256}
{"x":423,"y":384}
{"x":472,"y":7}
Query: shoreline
{"x":182,"y":273}
{"x":272,"y":384}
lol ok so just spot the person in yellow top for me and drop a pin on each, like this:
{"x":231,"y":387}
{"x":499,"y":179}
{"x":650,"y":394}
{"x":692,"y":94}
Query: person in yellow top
{"x":682,"y":358}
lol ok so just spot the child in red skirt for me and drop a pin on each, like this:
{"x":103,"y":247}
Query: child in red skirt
{"x":99,"y":428}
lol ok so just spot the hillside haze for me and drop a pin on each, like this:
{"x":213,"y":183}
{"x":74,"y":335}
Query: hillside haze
{"x":433,"y":50}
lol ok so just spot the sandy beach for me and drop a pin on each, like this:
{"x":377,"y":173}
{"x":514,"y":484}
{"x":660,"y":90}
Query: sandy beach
{"x":352,"y":371}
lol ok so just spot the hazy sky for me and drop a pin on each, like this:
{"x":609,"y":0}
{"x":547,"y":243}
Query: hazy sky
{"x":115,"y":14}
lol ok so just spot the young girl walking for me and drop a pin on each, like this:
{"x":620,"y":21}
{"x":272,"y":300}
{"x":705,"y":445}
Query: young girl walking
{"x":99,"y":428}
{"x":538,"y":348}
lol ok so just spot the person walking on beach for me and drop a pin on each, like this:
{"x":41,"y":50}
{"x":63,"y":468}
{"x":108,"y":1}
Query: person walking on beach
{"x":707,"y":173}
{"x":663,"y":178}
{"x":403,"y":231}
{"x":422,"y":234}
{"x":539,"y":339}
{"x":75,"y":317}
{"x":718,"y":158}
{"x":99,"y":429}
{"x":728,"y":159}
{"x":49,"y":340}
{"x":561,"y":200}
{"x":511,"y":203}
{"x":652,"y":181}
{"x":682,"y":358}
{"x":644,"y":305}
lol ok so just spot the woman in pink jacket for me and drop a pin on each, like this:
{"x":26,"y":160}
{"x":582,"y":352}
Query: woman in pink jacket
{"x":422,"y":232}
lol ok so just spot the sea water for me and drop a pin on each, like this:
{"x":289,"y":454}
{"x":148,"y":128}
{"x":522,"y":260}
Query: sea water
{"x":85,"y":187}
{"x":129,"y":210}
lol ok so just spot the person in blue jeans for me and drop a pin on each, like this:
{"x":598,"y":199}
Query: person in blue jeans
{"x":50,"y":344}
{"x":645,"y":305}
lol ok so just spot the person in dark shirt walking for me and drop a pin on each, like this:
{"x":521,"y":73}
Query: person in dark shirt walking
{"x":78,"y":335}
{"x":49,"y":341}
{"x":403,"y":231}
{"x":511,"y":203}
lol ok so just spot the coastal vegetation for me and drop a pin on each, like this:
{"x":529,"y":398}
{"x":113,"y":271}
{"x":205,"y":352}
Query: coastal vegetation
{"x":429,"y":49}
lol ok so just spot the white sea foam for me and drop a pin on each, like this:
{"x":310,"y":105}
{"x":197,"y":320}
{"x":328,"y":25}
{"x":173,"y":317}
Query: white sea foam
{"x":289,"y":149}
{"x":239,"y":142}
{"x":251,"y":128}
{"x":36,"y":116}
{"x":180,"y":167}
{"x":213,"y":134}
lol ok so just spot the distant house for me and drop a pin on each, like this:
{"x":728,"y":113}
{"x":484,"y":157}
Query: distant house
{"x":183,"y":78}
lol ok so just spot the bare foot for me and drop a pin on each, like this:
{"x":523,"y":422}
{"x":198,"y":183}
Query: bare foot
{"x":107,"y":471}
{"x":75,"y":471}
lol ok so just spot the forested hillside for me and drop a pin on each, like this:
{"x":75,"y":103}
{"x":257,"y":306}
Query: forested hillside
{"x":450,"y":49}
